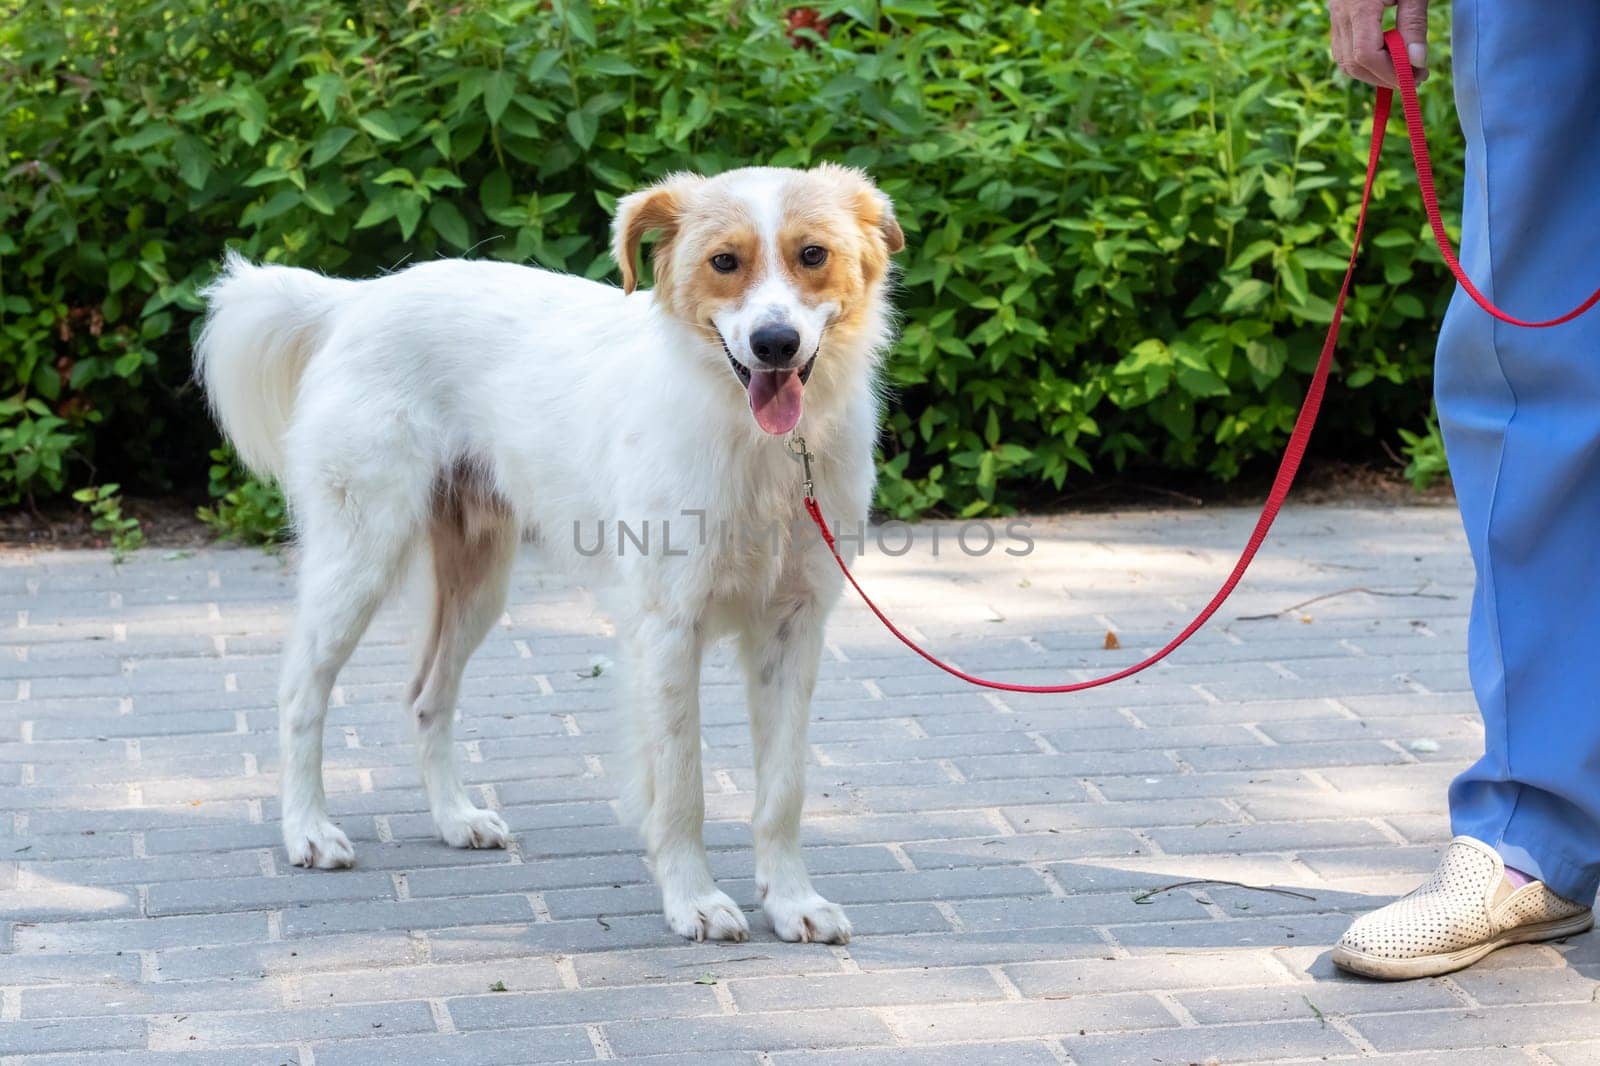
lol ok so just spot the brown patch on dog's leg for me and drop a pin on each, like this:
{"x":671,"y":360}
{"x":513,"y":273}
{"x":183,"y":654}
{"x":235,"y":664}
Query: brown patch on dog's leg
{"x":469,"y":530}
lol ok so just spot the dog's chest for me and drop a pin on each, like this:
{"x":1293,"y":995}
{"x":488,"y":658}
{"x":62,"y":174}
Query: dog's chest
{"x":751,"y":547}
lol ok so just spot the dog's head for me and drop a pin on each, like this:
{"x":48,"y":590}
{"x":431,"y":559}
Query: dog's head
{"x":777,"y":270}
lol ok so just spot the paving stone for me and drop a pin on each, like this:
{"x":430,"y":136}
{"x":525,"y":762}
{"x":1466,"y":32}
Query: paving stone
{"x":1264,"y":932}
{"x":1462,"y":1028}
{"x":34,"y":968}
{"x":320,"y":1023}
{"x":1146,"y":973}
{"x":512,"y":1010}
{"x":1222,"y":1043}
{"x":261,"y":958}
{"x":150,"y":997}
{"x":992,"y":1021}
{"x":1503,"y":987}
{"x":433,"y":980}
{"x":322,"y":918}
{"x":995,"y":850}
{"x":534,"y":876}
{"x":726,"y":962}
{"x":257,"y":1055}
{"x":500,"y":1048}
{"x":943,"y":985}
{"x":138,"y":934}
{"x":757,"y":1032}
{"x":48,"y":900}
{"x":976,"y":949}
{"x":1300,"y":1001}
{"x":1078,"y":908}
{"x":1014,"y":1053}
{"x":1133,"y":814}
{"x":297,"y":890}
{"x":29,"y":1037}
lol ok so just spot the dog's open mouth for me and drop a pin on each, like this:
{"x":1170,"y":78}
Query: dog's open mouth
{"x":777,"y":397}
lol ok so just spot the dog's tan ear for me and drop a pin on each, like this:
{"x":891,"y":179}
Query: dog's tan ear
{"x":655,"y":209}
{"x":894,"y":238}
{"x":872,"y":206}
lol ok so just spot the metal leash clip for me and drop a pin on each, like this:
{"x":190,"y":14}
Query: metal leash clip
{"x":797,"y":448}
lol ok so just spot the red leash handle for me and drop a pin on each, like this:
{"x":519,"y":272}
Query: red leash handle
{"x":1295,"y":451}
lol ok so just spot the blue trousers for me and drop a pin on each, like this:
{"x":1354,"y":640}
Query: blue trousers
{"x":1520,"y":411}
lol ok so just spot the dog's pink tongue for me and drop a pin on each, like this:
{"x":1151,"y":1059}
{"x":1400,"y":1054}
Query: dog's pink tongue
{"x":776,"y":397}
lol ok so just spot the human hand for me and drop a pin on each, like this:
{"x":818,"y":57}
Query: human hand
{"x":1357,"y":32}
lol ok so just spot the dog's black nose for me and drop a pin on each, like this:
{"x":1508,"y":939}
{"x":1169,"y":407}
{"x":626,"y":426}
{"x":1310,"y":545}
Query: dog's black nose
{"x":775,"y":344}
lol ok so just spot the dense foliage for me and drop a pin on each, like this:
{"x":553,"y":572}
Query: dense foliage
{"x":1124,"y":217}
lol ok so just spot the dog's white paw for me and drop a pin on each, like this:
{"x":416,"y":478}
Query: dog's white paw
{"x":322,"y":845}
{"x":807,"y":919}
{"x":472,"y":828}
{"x":712,"y":916}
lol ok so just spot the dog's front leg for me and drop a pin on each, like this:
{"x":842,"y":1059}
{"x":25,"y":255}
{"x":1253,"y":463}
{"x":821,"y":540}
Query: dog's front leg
{"x":665,"y":679}
{"x":780,"y":651}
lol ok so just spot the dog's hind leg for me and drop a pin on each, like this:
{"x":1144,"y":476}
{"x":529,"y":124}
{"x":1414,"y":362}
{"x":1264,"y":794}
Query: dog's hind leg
{"x":663,"y":677}
{"x":780,"y":649}
{"x":352,"y":551}
{"x":473,"y":540}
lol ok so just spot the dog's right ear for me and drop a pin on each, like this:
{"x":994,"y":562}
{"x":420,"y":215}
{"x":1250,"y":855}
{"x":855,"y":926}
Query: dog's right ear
{"x":655,"y":209}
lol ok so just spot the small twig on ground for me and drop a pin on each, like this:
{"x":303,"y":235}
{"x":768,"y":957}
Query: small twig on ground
{"x":1145,"y":897}
{"x":1417,"y":593}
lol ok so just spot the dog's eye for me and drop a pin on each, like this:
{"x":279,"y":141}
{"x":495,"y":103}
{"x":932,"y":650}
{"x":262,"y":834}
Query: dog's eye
{"x":724,"y":263}
{"x":813,"y":255}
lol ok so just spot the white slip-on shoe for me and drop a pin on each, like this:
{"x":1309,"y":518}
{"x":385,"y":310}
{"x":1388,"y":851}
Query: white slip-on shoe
{"x":1467,"y":909}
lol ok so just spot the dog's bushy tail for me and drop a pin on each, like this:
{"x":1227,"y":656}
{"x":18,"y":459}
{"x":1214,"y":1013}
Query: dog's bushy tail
{"x":263,"y":324}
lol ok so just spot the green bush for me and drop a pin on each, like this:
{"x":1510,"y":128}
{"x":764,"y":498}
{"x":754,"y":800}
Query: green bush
{"x":242,"y":508}
{"x":1125,"y":218}
{"x":1424,"y":452}
{"x":105,"y":508}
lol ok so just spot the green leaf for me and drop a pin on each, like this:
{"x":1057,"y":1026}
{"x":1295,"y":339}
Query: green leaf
{"x":146,"y":137}
{"x":583,"y":126}
{"x":603,"y":65}
{"x":119,"y":275}
{"x":448,"y":223}
{"x":1246,"y":296}
{"x":379,"y":210}
{"x":380,"y":125}
{"x":1409,"y":306}
{"x":497,"y":91}
{"x":408,"y":212}
{"x":318,"y":200}
{"x":330,"y":143}
{"x":194,"y":161}
{"x":326,"y":89}
{"x":579,"y":19}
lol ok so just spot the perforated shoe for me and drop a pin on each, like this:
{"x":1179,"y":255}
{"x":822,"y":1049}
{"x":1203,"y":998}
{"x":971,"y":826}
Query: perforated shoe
{"x":1467,"y":909}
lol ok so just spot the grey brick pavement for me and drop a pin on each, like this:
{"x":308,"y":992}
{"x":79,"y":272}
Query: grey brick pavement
{"x":989,"y":849}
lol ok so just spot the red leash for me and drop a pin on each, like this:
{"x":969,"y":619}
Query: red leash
{"x":1304,"y":422}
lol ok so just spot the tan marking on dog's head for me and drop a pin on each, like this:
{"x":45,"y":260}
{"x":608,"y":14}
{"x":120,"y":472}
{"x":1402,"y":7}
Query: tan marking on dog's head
{"x":841,"y":212}
{"x":655,"y":209}
{"x":688,"y":279}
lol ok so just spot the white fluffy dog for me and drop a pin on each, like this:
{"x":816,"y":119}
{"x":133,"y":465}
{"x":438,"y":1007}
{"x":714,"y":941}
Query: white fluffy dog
{"x":460,"y":406}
